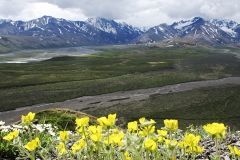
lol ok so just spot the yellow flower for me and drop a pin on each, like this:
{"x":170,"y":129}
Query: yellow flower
{"x":96,"y":137}
{"x":147,"y":130}
{"x":115,"y":130}
{"x":64,"y":135}
{"x":62,"y":148}
{"x":107,"y":122}
{"x":142,"y":120}
{"x":143,"y":133}
{"x":192,"y":140}
{"x":216,"y":129}
{"x":171,"y":124}
{"x":160,"y":139}
{"x":78,"y":145}
{"x":96,"y":133}
{"x":182,"y":145}
{"x":234,"y":150}
{"x":32,"y":145}
{"x":81,"y":122}
{"x":12,"y":135}
{"x":132,"y":126}
{"x":198,"y":149}
{"x":112,"y":118}
{"x":116,"y":139}
{"x":28,"y":118}
{"x":150,"y":144}
{"x":126,"y":155}
{"x":95,"y":129}
{"x":162,"y":133}
{"x":171,"y":144}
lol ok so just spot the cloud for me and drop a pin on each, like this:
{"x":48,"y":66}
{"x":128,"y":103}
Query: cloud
{"x":203,"y":8}
{"x":29,"y":11}
{"x":10,"y":8}
{"x":135,"y":12}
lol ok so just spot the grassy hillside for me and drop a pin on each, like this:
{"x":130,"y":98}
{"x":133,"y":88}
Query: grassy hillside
{"x":10,"y":43}
{"x":197,"y":106}
{"x":114,"y":69}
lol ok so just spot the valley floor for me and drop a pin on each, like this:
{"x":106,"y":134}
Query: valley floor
{"x":105,"y":100}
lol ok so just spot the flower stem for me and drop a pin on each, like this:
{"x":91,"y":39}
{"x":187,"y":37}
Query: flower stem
{"x":216,"y":143}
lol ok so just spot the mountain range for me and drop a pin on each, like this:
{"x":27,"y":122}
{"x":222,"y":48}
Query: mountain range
{"x":98,"y":31}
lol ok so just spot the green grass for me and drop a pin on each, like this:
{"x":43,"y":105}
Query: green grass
{"x":63,"y":119}
{"x":197,"y":107}
{"x":112,"y":70}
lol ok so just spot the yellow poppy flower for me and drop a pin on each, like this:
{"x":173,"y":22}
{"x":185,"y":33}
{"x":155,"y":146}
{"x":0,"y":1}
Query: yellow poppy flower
{"x":192,"y":140}
{"x":182,"y":144}
{"x":12,"y":135}
{"x":64,"y":135}
{"x":78,"y":145}
{"x":116,"y":139}
{"x":81,"y":122}
{"x":132,"y":126}
{"x":171,"y":144}
{"x":32,"y":145}
{"x":171,"y":124}
{"x":28,"y":118}
{"x":150,"y":144}
{"x":142,"y":120}
{"x":162,"y":133}
{"x":62,"y":148}
{"x":96,"y":137}
{"x":107,"y":122}
{"x":234,"y":150}
{"x":126,"y":155}
{"x":216,"y":129}
{"x":198,"y":149}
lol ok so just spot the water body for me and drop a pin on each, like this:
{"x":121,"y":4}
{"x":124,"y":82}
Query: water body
{"x":26,"y":56}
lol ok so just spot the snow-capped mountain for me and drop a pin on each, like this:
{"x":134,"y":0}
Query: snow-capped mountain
{"x":215,"y":31}
{"x":226,"y":25}
{"x":96,"y":29}
{"x":4,"y":20}
{"x":103,"y":31}
{"x":120,"y":31}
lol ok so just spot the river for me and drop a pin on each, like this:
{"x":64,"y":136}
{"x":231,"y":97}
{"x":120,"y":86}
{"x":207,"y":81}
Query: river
{"x":110,"y":99}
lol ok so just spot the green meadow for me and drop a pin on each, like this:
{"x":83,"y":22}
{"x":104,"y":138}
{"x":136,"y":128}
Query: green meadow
{"x":121,"y":69}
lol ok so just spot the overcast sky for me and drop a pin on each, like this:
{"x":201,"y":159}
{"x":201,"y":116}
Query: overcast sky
{"x":135,"y":12}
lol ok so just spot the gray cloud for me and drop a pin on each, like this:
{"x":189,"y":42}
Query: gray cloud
{"x":136,"y":12}
{"x":204,"y":8}
{"x":9,"y":7}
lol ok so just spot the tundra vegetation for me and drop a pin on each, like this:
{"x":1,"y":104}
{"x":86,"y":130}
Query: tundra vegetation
{"x":129,"y":68}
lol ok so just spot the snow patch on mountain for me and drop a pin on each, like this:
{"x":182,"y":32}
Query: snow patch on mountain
{"x":182,"y":24}
{"x":102,"y":24}
{"x":5,"y":21}
{"x":226,"y":25}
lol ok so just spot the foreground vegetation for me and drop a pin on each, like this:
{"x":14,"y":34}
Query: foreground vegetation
{"x":112,"y":70}
{"x":141,"y":140}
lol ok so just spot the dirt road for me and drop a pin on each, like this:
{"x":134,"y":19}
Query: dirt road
{"x":110,"y":99}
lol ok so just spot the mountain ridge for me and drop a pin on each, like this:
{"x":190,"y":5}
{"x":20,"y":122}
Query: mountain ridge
{"x":196,"y":28}
{"x":101,"y":31}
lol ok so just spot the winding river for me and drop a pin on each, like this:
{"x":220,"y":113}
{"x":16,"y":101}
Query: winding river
{"x":106,"y":100}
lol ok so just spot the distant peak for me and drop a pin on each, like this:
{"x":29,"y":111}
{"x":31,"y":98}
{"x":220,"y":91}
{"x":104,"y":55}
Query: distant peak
{"x":5,"y":20}
{"x":45,"y":16}
{"x":195,"y":19}
{"x":96,"y":19}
